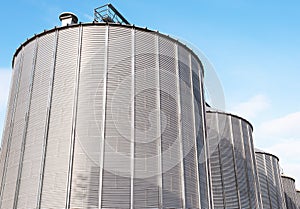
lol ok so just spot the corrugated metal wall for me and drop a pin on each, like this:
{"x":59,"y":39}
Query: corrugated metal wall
{"x":31,"y":165}
{"x":105,"y":116}
{"x":5,"y":146}
{"x":17,"y":127}
{"x":289,"y":192}
{"x":170,"y":134}
{"x":270,"y":181}
{"x":232,"y":162}
{"x":298,"y":198}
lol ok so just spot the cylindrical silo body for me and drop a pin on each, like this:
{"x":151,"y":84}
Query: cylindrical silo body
{"x":269,"y":177}
{"x":107,"y":116}
{"x":289,"y":192}
{"x":298,"y":198}
{"x":232,"y":161}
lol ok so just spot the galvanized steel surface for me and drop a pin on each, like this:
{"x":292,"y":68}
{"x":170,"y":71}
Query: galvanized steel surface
{"x":105,"y":116}
{"x":232,"y":161}
{"x":289,"y":192}
{"x":270,"y":180}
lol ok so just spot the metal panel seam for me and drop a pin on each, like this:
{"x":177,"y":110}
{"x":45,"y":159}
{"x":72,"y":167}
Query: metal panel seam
{"x":267,"y":181}
{"x":49,"y":102}
{"x":220,"y":161}
{"x":273,"y":179}
{"x":11,"y":126}
{"x":234,"y":160}
{"x":180,"y":127}
{"x":257,"y":190}
{"x":195,"y":128}
{"x":159,"y":124}
{"x":74,"y":117}
{"x":245,"y":163}
{"x":25,"y":126}
{"x":132,"y":116}
{"x":103,"y":117}
{"x":205,"y":144}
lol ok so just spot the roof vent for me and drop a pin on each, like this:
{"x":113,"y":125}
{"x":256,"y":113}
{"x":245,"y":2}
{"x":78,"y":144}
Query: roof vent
{"x":68,"y":18}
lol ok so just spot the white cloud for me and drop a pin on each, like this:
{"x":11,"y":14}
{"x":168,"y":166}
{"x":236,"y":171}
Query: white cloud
{"x":288,"y":152}
{"x":286,"y":126}
{"x":281,"y":137}
{"x":251,"y":108}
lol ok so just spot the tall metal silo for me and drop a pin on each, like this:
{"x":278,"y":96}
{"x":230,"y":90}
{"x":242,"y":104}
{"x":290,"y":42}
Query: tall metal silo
{"x":104,"y":115}
{"x":298,"y":198}
{"x":232,"y":161}
{"x":270,"y":180}
{"x":289,"y":192}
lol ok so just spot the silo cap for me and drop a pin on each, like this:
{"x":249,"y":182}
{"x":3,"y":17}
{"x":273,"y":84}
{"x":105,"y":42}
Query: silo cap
{"x":68,"y":18}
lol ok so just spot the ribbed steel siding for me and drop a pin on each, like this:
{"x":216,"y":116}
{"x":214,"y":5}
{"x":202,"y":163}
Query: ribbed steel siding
{"x":234,"y":184}
{"x":240,"y":157}
{"x":5,"y":146}
{"x":87,"y":158}
{"x":289,"y":192}
{"x":59,"y":137}
{"x":215,"y":161}
{"x":188,"y":130}
{"x":146,"y":150}
{"x":152,"y":76}
{"x":201,"y":144}
{"x":18,"y":128}
{"x":263,"y":181}
{"x":270,"y":181}
{"x":29,"y":182}
{"x":116,"y":176}
{"x":298,"y":199}
{"x":278,"y":184}
{"x":231,"y":197}
{"x":171,"y":176}
{"x":255,"y":172}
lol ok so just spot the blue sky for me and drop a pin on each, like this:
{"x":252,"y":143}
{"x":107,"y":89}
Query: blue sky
{"x":253,"y":45}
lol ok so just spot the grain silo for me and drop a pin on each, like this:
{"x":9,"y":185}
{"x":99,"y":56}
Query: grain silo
{"x":106,"y":115}
{"x":298,"y":198}
{"x":232,"y":161}
{"x":270,"y":182}
{"x":289,"y":192}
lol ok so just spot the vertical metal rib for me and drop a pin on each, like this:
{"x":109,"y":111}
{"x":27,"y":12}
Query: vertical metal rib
{"x":74,"y":118}
{"x":220,"y":160}
{"x":180,"y":128}
{"x":234,"y":160}
{"x":50,"y":93}
{"x":272,"y":183}
{"x":103,"y":117}
{"x":244,"y":156}
{"x":205,"y":144}
{"x":257,"y":190}
{"x":267,"y":181}
{"x":160,"y":172}
{"x":27,"y":115}
{"x":11,"y":124}
{"x":195,"y":129}
{"x":132,"y":115}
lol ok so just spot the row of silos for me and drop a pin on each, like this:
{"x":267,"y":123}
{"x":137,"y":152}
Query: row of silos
{"x":103,"y":115}
{"x":241,"y":176}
